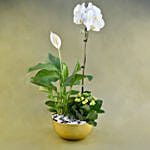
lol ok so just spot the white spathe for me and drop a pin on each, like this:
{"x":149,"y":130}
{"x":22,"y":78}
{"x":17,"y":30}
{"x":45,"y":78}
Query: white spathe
{"x":55,"y":39}
{"x":91,"y":16}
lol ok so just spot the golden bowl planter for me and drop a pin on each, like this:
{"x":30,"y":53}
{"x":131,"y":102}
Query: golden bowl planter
{"x":72,"y":131}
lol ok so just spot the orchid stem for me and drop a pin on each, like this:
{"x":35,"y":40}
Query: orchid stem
{"x":84,"y":60}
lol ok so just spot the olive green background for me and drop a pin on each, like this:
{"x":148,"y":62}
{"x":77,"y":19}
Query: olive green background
{"x":118,"y":57}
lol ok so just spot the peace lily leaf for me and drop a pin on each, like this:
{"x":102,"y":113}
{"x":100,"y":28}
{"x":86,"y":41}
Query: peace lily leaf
{"x":89,"y":77}
{"x":44,"y":89}
{"x":77,"y":68}
{"x":65,"y":71}
{"x":71,"y":80}
{"x":74,"y":92}
{"x":77,"y":83}
{"x":75,"y":78}
{"x":45,"y":77}
{"x":43,"y":83}
{"x":50,"y":103}
{"x":52,"y":110}
{"x":54,"y":60}
{"x":43,"y":66}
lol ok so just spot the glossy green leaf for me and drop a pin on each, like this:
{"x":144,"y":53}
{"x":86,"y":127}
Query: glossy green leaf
{"x":86,"y":107}
{"x":52,"y":110}
{"x":74,"y":92}
{"x":54,"y":60}
{"x":92,"y":115}
{"x":65,"y":71}
{"x":50,"y":103}
{"x":101,"y":111}
{"x":89,"y":77}
{"x":44,"y":78}
{"x":50,"y":67}
{"x":98,"y":105}
{"x":71,"y":80}
{"x":94,"y":123}
{"x":77,"y":68}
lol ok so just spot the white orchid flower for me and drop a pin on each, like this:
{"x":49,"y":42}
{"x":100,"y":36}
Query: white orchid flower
{"x":79,"y":13}
{"x":91,"y":17}
{"x":55,"y":39}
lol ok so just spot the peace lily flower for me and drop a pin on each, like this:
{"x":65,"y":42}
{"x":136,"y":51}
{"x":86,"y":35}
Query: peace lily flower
{"x":55,"y":39}
{"x":91,"y":16}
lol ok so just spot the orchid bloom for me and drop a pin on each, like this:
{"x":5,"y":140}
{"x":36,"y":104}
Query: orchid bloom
{"x":90,"y":16}
{"x":55,"y":39}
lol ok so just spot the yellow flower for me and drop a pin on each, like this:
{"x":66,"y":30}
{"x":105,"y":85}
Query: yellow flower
{"x":85,"y":101}
{"x":92,"y":102}
{"x":77,"y":100}
{"x":82,"y":98}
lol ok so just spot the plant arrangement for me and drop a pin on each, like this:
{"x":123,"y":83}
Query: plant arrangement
{"x":54,"y":78}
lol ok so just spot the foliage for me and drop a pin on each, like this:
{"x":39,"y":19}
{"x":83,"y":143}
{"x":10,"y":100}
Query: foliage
{"x":54,"y":72}
{"x":85,"y":107}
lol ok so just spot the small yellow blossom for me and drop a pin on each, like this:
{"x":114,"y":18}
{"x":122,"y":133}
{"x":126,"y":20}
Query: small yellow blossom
{"x":77,"y":100}
{"x":85,"y":101}
{"x":92,"y":102}
{"x":82,"y":98}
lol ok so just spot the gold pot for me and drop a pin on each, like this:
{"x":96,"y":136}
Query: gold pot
{"x":72,"y":131}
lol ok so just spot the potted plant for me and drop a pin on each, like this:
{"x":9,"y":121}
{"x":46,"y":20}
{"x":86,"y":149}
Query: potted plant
{"x":73,"y":112}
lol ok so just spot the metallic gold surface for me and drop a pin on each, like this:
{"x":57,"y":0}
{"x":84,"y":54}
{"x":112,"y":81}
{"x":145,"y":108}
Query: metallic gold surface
{"x":72,"y":132}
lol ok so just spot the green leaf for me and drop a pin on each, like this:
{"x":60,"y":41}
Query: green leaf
{"x":78,"y":115}
{"x":44,"y":89}
{"x":52,"y":110}
{"x":77,"y":68}
{"x":77,"y":83}
{"x":50,"y":103}
{"x":44,"y":78}
{"x":100,"y":111}
{"x":97,"y":106}
{"x":94,"y":123}
{"x":92,"y":115}
{"x":89,"y":77}
{"x":71,"y":80}
{"x":54,"y":60}
{"x":86,"y":107}
{"x":74,"y":92}
{"x":65,"y":71}
{"x":50,"y":67}
{"x":44,"y":84}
